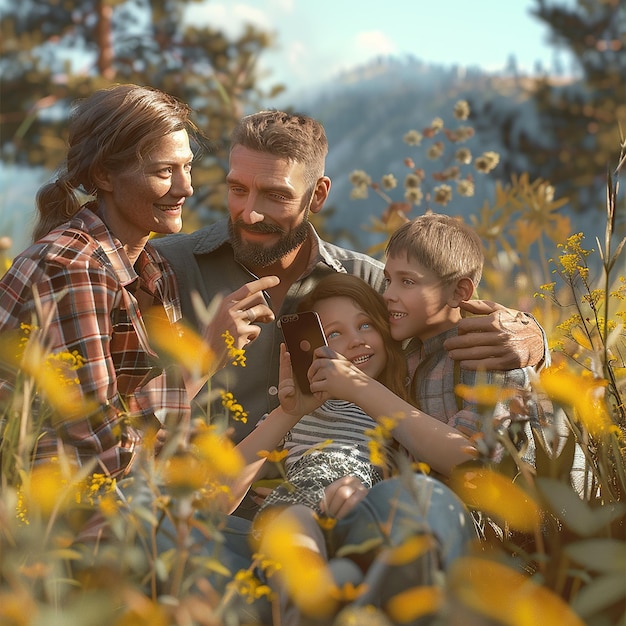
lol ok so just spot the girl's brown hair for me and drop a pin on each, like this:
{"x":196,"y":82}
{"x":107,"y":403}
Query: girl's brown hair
{"x":394,"y":374}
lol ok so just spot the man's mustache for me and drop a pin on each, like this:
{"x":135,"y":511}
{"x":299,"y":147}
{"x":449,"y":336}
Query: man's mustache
{"x":259,"y":227}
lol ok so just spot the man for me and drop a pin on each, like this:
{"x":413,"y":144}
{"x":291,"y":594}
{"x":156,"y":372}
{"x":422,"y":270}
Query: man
{"x":275,"y":181}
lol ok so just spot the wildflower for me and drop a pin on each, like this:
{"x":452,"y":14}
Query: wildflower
{"x":325,"y":522}
{"x":584,"y":393}
{"x":435,"y":151}
{"x":248,"y":586}
{"x":275,"y":456}
{"x":487,"y":162}
{"x":303,"y":571}
{"x":437,"y":124}
{"x":389,"y":181}
{"x":237,"y":356}
{"x":359,"y":177}
{"x":465,"y":188}
{"x":506,"y":595}
{"x":442,"y":194}
{"x":218,"y":450}
{"x":413,"y":180}
{"x":463,"y":155}
{"x":413,"y":138}
{"x":461,"y":110}
{"x":414,"y":196}
{"x":230,"y":403}
{"x":413,"y":603}
{"x":359,"y":192}
{"x":497,"y":496}
{"x":182,"y":344}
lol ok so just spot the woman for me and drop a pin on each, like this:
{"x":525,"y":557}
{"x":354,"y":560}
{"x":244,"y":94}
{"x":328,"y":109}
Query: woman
{"x":91,"y":274}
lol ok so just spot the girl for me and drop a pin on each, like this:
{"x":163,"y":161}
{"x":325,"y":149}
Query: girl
{"x":329,"y":469}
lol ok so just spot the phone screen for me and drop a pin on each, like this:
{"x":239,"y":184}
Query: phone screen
{"x":303,"y":333}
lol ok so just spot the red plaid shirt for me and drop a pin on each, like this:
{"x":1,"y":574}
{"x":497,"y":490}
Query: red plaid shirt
{"x":89,"y":292}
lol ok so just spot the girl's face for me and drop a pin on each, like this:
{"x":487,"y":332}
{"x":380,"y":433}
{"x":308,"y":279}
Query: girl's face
{"x":350,"y":332}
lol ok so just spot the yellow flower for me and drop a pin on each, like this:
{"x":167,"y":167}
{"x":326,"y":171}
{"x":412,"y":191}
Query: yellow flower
{"x":237,"y":356}
{"x":506,"y":595}
{"x":484,"y":395}
{"x":181,"y":344}
{"x":303,"y":571}
{"x":497,"y":496}
{"x":249,"y":586}
{"x":219,"y":452}
{"x":236,"y":410}
{"x":275,"y":456}
{"x":413,"y":603}
{"x":325,"y":522}
{"x":584,"y":393}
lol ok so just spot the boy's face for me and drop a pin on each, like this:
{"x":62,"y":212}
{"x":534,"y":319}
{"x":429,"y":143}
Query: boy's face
{"x":417,"y":300}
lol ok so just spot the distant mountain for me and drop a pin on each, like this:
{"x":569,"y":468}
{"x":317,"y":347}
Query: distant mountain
{"x":367,"y":111}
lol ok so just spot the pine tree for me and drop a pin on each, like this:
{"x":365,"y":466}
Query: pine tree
{"x":57,"y":51}
{"x":579,"y":117}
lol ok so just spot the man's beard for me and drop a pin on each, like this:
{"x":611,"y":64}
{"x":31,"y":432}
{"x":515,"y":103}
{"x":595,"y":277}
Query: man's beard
{"x":258,"y":255}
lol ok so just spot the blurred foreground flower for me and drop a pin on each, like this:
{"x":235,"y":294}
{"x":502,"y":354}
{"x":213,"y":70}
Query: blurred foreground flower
{"x":302,"y":571}
{"x":506,"y":595}
{"x":494,"y":494}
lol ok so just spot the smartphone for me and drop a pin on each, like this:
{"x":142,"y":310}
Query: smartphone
{"x":303,"y":333}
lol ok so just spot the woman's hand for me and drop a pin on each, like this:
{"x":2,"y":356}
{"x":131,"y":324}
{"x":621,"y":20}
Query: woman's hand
{"x":341,"y":496}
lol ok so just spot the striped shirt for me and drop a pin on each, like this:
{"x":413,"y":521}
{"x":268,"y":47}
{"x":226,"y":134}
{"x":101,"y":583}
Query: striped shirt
{"x":91,"y":293}
{"x":336,"y":425}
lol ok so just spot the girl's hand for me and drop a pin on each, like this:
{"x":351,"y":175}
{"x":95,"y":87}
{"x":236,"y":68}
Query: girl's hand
{"x":341,"y":496}
{"x":292,"y":400}
{"x":332,"y":376}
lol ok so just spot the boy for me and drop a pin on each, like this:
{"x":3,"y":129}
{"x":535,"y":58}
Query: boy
{"x":434,"y":263}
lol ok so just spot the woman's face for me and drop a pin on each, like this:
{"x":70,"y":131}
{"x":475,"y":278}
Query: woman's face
{"x":150,"y":197}
{"x":350,"y":332}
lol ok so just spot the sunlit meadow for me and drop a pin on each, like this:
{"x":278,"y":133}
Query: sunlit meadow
{"x":78,"y":547}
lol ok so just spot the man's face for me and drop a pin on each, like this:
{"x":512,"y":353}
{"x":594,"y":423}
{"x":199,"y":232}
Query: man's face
{"x":268,"y":202}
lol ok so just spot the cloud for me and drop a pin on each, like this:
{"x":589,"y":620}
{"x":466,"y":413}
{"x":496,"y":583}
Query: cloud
{"x":231,"y":17}
{"x":373,"y":43}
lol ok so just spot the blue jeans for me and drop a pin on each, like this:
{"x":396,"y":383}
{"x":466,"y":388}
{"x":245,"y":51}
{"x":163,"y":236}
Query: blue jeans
{"x":400,"y":507}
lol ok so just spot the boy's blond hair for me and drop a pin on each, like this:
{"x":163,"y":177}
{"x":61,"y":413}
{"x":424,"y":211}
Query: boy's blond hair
{"x":444,"y":245}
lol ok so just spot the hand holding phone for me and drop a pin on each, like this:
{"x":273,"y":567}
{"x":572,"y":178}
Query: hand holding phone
{"x":303,"y":334}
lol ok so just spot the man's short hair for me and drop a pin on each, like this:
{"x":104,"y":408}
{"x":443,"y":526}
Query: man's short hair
{"x":292,"y":136}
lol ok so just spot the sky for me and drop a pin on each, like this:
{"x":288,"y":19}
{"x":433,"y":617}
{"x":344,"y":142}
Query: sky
{"x":317,"y":39}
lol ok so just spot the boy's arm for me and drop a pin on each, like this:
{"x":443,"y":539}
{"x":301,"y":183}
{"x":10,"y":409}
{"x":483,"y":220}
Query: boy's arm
{"x":426,"y":438}
{"x":497,"y":338}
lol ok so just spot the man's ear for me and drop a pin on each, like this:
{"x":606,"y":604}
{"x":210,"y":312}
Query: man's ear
{"x":463,"y":290}
{"x":322,"y":189}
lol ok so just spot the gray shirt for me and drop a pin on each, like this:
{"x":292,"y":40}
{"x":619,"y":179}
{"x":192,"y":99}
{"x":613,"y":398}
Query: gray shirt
{"x":203,"y":261}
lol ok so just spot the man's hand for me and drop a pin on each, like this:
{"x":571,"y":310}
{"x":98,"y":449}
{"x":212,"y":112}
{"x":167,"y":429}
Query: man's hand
{"x":341,"y":496}
{"x":496,"y":339}
{"x":239,"y":314}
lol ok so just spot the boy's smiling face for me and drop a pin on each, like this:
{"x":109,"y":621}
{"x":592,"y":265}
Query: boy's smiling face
{"x":419,"y":303}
